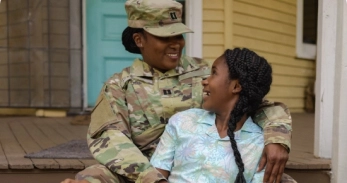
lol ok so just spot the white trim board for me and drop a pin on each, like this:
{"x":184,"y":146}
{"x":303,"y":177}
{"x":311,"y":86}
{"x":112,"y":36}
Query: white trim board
{"x":325,"y":78}
{"x":339,"y":143}
{"x":303,"y":50}
{"x":194,"y":22}
{"x":84,"y":57}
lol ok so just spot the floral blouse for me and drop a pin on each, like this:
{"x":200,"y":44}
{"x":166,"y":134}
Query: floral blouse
{"x":192,"y":150}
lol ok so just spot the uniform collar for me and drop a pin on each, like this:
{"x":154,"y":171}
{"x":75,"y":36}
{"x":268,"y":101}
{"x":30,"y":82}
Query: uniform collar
{"x":140,"y":68}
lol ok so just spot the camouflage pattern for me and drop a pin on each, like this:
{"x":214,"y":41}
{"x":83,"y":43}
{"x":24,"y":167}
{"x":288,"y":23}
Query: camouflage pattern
{"x":287,"y":179}
{"x":133,"y":108}
{"x":275,"y":119}
{"x":100,"y":175}
{"x":161,"y":18}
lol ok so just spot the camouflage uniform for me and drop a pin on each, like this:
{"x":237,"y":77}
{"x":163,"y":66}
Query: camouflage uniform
{"x":135,"y":105}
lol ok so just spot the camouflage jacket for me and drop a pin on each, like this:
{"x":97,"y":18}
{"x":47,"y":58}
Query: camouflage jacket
{"x":135,"y":105}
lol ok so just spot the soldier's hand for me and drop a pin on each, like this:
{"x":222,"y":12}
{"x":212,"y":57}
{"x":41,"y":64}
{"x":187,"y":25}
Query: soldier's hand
{"x":275,"y":157}
{"x":74,"y":181}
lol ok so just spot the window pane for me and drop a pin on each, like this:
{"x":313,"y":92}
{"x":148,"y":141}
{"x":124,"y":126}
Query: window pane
{"x":184,"y":10}
{"x":310,"y":21}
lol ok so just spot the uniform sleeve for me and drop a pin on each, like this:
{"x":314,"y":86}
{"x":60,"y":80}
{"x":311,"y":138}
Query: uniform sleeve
{"x":110,"y":142}
{"x":163,"y":156}
{"x":276,"y":121}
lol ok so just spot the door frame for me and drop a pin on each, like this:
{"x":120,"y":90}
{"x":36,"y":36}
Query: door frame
{"x":194,"y":22}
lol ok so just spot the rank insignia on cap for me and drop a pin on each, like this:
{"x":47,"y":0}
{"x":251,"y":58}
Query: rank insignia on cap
{"x":173,"y":15}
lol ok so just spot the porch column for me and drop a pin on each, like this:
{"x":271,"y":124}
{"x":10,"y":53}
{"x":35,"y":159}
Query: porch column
{"x":194,"y":21}
{"x":326,"y":43}
{"x":339,"y":158}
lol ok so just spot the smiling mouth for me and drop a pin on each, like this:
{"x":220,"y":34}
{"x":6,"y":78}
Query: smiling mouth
{"x":172,"y":55}
{"x":207,"y":93}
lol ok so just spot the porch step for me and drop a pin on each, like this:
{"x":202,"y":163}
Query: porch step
{"x":302,"y":165}
{"x":36,"y":175}
{"x":306,"y":168}
{"x":309,"y":176}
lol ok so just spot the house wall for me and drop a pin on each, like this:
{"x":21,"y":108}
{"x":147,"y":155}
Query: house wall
{"x":35,"y":52}
{"x":213,"y":29}
{"x":3,"y":54}
{"x":268,"y":28}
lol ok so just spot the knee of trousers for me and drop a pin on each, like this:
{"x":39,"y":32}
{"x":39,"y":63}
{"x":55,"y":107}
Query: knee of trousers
{"x":98,"y":174}
{"x":287,"y":179}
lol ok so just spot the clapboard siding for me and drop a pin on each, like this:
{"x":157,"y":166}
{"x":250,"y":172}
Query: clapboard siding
{"x":263,"y":35}
{"x":287,"y":61}
{"x":213,"y":29}
{"x":273,"y":5}
{"x":264,"y":24}
{"x":213,"y":38}
{"x":267,"y":27}
{"x":213,"y":15}
{"x":265,"y":46}
{"x":213,"y":5}
{"x":211,"y":52}
{"x":289,"y":2}
{"x":263,"y":13}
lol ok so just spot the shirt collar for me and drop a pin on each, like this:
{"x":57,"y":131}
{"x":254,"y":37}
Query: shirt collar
{"x":207,"y":118}
{"x":141,"y":68}
{"x":249,"y":126}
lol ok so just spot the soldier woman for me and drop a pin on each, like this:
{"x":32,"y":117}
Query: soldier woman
{"x":135,"y":104}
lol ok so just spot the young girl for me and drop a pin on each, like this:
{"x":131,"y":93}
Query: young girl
{"x":219,"y":143}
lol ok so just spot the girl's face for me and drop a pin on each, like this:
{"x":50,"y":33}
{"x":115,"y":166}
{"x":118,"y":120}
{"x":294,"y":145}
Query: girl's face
{"x":162,"y":53}
{"x":219,"y":92}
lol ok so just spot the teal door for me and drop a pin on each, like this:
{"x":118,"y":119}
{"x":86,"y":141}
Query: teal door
{"x":106,"y":20}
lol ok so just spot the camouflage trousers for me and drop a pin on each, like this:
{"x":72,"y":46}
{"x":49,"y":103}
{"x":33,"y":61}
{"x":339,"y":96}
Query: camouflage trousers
{"x":287,"y":179}
{"x":100,"y":174}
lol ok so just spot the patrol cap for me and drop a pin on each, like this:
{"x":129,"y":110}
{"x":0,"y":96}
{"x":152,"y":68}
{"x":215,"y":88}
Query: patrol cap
{"x":161,"y":18}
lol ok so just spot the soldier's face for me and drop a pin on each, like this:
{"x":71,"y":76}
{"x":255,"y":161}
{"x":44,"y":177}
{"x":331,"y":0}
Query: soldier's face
{"x":219,"y":92}
{"x":162,"y":53}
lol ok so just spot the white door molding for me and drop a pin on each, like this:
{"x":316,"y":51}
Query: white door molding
{"x":194,"y":22}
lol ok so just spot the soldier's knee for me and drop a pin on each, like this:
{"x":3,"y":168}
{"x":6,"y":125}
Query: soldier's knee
{"x":97,"y":174}
{"x":287,"y":179}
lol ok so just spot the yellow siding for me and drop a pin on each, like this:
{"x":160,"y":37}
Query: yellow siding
{"x":267,"y":27}
{"x":213,"y":29}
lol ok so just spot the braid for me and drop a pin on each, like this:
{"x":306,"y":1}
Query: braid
{"x":254,"y":75}
{"x":128,"y":41}
{"x":236,"y":115}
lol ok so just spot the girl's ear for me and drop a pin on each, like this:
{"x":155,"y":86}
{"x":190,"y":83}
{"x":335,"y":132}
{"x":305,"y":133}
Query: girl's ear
{"x":138,"y":39}
{"x":237,"y":87}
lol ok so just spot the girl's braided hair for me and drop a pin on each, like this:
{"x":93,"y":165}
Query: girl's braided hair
{"x":255,"y":77}
{"x":128,"y":40}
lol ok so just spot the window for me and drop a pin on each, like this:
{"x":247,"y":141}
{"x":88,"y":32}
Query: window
{"x":184,"y":10}
{"x":306,"y":36}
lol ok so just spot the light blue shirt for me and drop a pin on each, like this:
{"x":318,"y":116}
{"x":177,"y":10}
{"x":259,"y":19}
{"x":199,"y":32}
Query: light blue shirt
{"x":192,"y":150}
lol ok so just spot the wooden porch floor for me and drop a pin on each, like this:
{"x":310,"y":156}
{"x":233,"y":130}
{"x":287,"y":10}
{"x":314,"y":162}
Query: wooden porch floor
{"x":21,"y":135}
